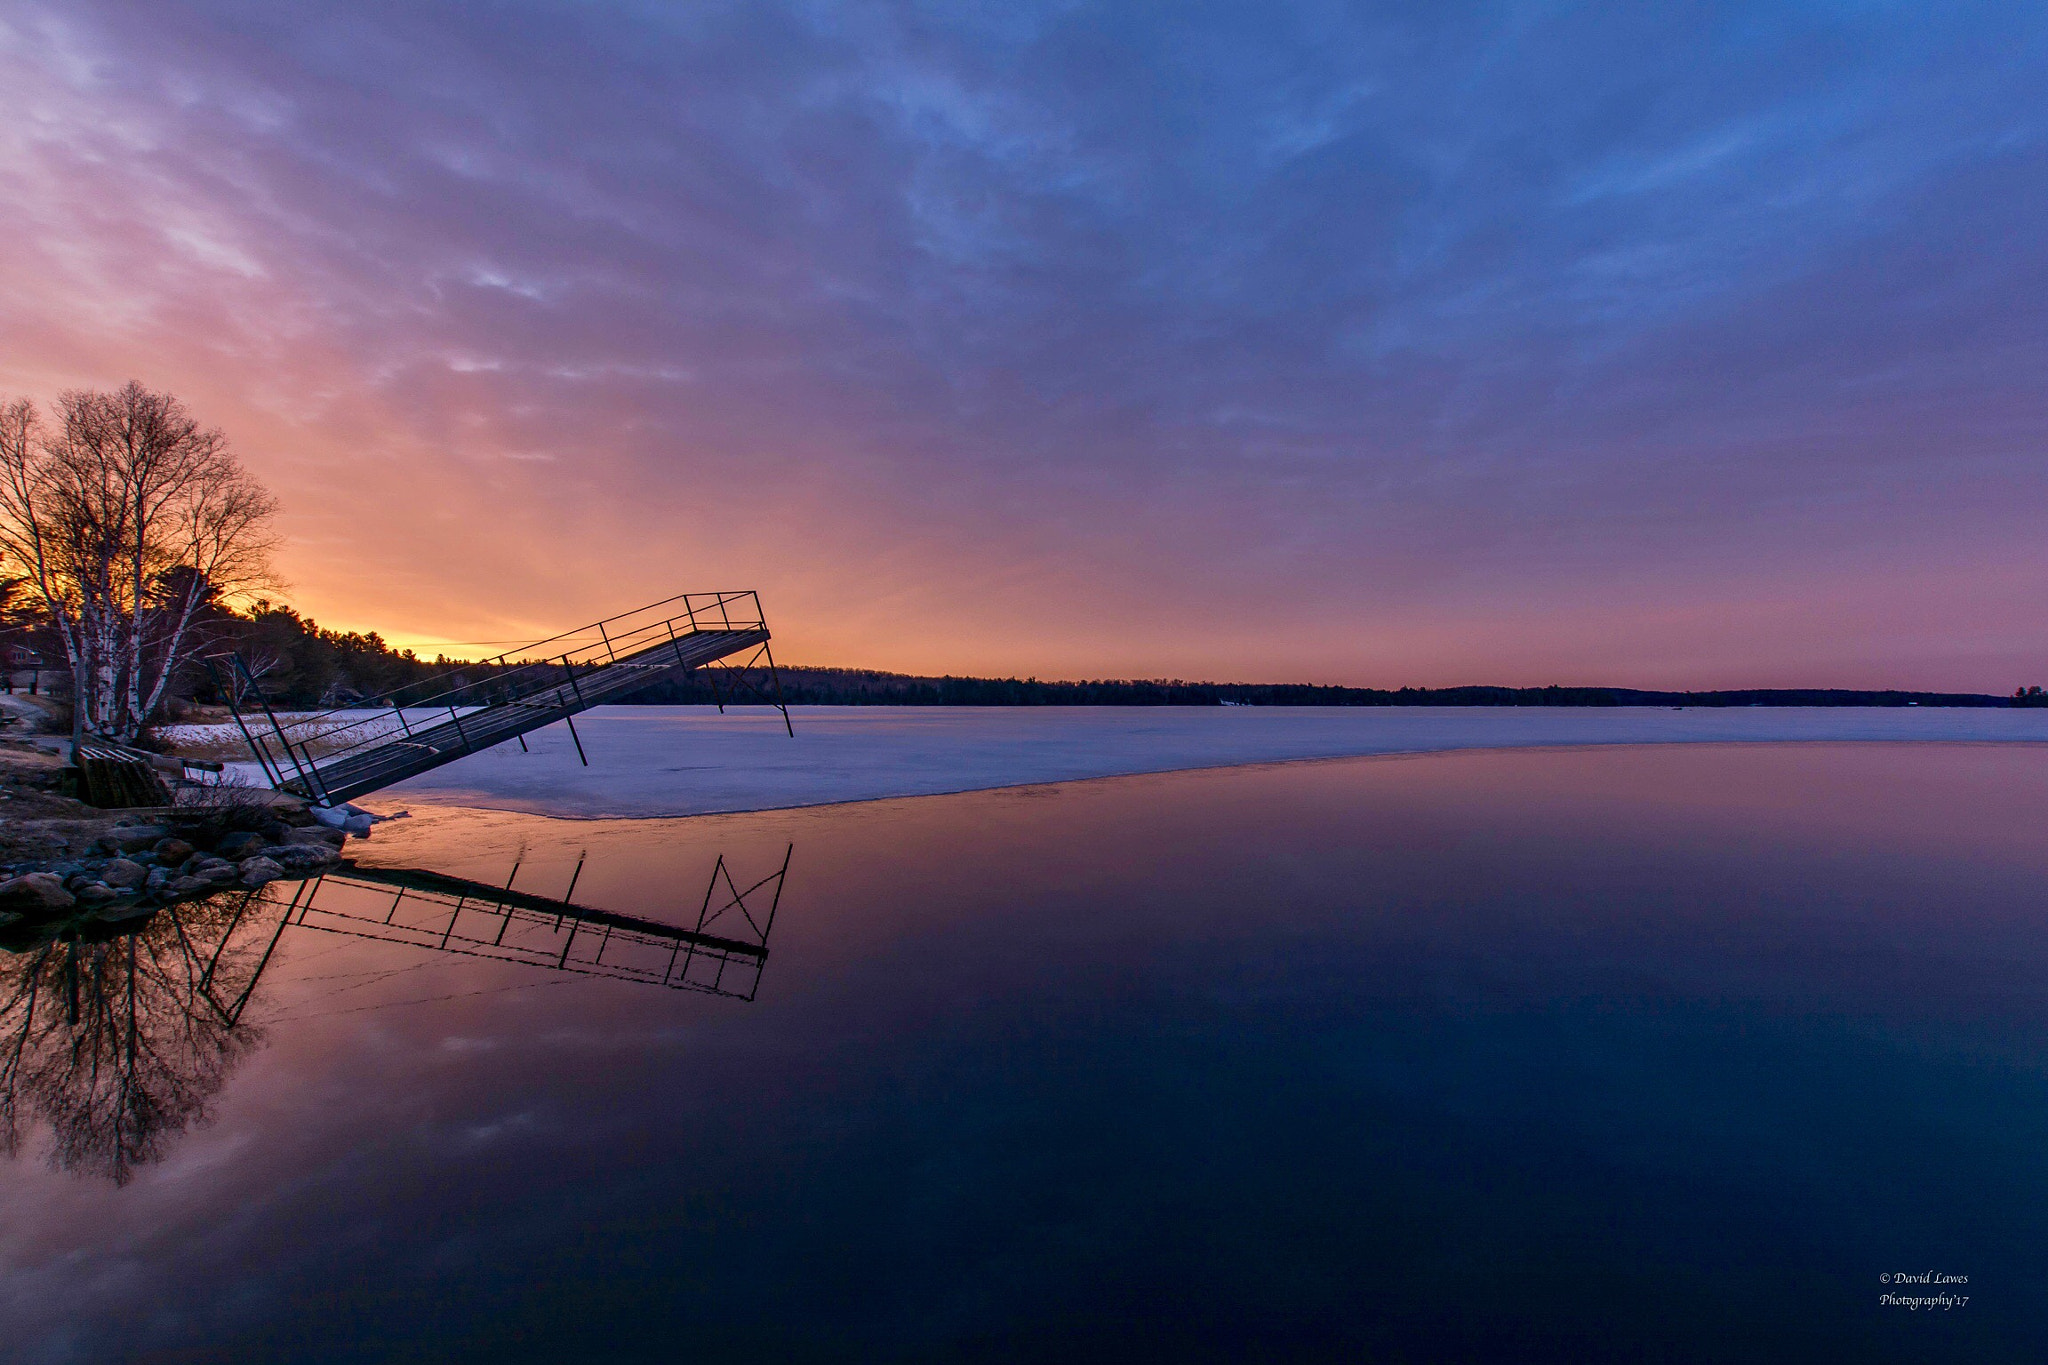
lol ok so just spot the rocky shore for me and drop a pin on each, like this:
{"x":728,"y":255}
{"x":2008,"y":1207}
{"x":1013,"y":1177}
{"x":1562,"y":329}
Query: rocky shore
{"x":109,"y":867}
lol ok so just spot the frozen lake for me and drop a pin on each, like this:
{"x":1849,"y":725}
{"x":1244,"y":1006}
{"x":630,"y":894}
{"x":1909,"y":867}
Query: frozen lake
{"x":687,"y":760}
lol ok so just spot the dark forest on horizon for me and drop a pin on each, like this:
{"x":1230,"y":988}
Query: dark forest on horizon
{"x":809,"y":686}
{"x":298,"y":664}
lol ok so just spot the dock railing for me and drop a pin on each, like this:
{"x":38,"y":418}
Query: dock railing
{"x":285,"y":748}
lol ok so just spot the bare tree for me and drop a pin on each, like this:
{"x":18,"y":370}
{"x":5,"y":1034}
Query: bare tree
{"x":258,"y":662}
{"x":126,"y":518}
{"x":118,"y":1045}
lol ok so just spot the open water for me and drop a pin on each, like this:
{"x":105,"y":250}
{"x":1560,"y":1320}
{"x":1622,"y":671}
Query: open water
{"x":1673,"y":1053}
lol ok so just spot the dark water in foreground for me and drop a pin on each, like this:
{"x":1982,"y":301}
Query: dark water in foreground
{"x":1652,"y":1054}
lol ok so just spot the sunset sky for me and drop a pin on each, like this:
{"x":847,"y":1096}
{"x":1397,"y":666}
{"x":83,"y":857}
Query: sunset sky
{"x":1660,"y":345}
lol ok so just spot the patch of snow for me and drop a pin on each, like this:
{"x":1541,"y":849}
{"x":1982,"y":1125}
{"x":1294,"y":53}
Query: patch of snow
{"x":333,"y":729}
{"x":688,"y":760}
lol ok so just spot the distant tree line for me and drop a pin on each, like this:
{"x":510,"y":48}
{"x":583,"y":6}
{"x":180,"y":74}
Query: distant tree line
{"x":862,"y":687}
{"x":299,"y":665}
{"x":270,"y":653}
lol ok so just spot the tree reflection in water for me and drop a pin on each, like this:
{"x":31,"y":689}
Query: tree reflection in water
{"x":117,"y":1033}
{"x":113,"y":1034}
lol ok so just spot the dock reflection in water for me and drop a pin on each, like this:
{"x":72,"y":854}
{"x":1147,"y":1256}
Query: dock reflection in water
{"x":116,"y":1034}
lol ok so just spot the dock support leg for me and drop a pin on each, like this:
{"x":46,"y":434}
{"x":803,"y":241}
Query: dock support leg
{"x":776,"y":679}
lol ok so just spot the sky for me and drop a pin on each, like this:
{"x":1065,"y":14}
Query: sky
{"x":1401,"y":343}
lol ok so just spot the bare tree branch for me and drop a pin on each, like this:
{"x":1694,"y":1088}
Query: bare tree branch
{"x":127,"y":518}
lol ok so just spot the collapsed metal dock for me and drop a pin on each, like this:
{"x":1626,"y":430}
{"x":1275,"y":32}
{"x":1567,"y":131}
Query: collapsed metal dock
{"x":349,"y":752}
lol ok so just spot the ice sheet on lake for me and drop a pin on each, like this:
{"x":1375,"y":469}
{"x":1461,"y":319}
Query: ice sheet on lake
{"x":686,"y":760}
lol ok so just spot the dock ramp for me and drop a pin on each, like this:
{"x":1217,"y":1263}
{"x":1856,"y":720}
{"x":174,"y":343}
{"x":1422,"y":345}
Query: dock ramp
{"x":348,"y":752}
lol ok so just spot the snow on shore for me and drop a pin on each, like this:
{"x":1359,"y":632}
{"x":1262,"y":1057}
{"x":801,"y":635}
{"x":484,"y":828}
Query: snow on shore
{"x":325,"y":730}
{"x":688,"y":760}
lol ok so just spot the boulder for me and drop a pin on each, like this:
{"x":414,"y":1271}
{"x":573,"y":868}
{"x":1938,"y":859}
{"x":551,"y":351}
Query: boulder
{"x":170,"y":852}
{"x":316,"y":834}
{"x":157,"y":880}
{"x":213,"y":871}
{"x":117,"y":913}
{"x":185,"y":886}
{"x":95,"y":893}
{"x":258,"y":870}
{"x":35,"y":892}
{"x":304,"y":857}
{"x":239,"y":844}
{"x":131,"y":838}
{"x":350,"y":819}
{"x":124,"y":872}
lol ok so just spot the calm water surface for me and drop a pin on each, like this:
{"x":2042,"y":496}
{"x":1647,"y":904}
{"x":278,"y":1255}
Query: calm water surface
{"x":1647,"y":1054}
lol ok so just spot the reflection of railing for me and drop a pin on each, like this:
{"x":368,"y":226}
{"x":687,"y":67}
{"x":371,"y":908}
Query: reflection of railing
{"x":343,"y":753}
{"x":118,"y":1034}
{"x":453,"y":915}
{"x":722,"y":955}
